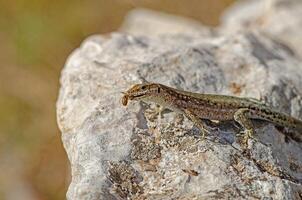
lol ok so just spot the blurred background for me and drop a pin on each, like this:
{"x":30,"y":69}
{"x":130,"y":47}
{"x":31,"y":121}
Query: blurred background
{"x":36,"y":37}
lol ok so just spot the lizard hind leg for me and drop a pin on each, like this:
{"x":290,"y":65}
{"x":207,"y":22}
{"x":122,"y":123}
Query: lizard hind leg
{"x":242,"y":117}
{"x":197,"y":122}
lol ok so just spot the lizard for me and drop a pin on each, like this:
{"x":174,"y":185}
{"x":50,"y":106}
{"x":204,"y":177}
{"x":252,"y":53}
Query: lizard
{"x":199,"y":107}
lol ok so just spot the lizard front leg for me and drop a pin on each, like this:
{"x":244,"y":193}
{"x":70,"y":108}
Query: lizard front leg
{"x":155,"y":112}
{"x":242,"y":117}
{"x":197,"y":121}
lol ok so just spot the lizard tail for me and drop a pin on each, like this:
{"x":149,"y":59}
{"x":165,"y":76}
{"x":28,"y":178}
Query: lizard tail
{"x":297,"y":133}
{"x":293,"y":126}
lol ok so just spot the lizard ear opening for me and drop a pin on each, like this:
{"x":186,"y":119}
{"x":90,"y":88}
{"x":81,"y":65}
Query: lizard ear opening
{"x":158,"y":90}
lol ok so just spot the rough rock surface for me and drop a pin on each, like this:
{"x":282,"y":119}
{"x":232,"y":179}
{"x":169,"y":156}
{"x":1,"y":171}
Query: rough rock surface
{"x":279,"y":18}
{"x":160,"y":24}
{"x":121,"y":152}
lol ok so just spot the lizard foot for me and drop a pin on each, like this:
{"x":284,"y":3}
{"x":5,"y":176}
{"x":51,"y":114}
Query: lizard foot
{"x":246,"y":135}
{"x":204,"y":132}
{"x":153,"y":113}
{"x":179,"y":118}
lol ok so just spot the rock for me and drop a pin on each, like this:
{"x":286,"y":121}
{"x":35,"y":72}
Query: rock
{"x":121,"y":152}
{"x":156,"y":24}
{"x":279,"y":18}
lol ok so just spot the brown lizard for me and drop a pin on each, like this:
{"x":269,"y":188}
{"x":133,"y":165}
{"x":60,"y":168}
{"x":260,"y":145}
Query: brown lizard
{"x":200,"y":107}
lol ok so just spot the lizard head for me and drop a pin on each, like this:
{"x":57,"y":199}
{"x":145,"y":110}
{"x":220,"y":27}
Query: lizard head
{"x":141,"y":92}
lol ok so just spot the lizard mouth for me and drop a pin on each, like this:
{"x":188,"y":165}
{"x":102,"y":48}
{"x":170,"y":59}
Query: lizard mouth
{"x":127,"y":97}
{"x":137,"y":95}
{"x":132,"y":96}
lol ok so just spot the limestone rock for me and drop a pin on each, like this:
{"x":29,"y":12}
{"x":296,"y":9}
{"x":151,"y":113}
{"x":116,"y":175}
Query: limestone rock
{"x":157,"y":23}
{"x":121,"y":152}
{"x":279,"y":18}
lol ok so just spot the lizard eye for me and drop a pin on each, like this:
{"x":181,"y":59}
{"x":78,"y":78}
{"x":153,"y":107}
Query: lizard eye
{"x":143,"y":87}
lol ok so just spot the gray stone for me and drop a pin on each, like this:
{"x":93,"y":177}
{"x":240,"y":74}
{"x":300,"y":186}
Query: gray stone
{"x":151,"y":23}
{"x":121,"y":152}
{"x":279,"y":18}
